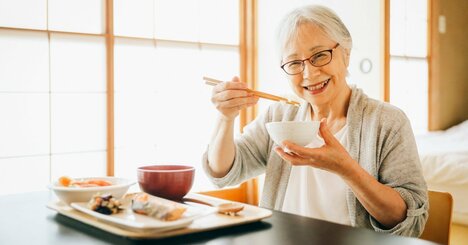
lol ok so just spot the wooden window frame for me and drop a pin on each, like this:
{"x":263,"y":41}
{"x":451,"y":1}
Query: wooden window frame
{"x":248,"y":191}
{"x":385,"y":56}
{"x":385,"y":50}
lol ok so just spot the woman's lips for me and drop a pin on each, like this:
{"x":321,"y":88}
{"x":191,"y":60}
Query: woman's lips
{"x":318,"y":88}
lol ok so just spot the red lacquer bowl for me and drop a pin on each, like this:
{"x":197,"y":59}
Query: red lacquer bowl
{"x":166,"y":181}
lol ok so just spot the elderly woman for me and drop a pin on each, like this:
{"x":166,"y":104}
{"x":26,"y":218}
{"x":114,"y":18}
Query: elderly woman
{"x":367,"y":172}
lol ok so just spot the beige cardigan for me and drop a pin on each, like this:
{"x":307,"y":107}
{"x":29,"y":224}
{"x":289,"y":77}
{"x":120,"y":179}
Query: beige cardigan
{"x":380,"y":139}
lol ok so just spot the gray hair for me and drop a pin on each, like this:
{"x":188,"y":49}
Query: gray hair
{"x":323,"y":17}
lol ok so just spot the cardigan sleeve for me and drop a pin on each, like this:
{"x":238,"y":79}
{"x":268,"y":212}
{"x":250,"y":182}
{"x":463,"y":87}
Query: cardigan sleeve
{"x":400,"y":168}
{"x":250,"y":156}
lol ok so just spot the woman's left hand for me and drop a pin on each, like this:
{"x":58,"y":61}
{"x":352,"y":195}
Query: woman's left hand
{"x":332,"y":156}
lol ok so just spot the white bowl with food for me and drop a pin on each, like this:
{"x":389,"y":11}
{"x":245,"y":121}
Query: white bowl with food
{"x":70,"y":190}
{"x":299,"y":132}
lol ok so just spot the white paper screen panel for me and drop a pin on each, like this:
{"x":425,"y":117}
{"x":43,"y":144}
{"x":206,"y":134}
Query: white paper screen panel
{"x":408,"y":60}
{"x":219,"y":21}
{"x":177,"y":20}
{"x":86,"y":16}
{"x":163,"y":108}
{"x":408,"y":28}
{"x":409,"y":90}
{"x":78,"y":63}
{"x":78,"y":122}
{"x":78,"y":165}
{"x":24,"y":127}
{"x":134,"y":18}
{"x":24,"y":61}
{"x":29,"y":14}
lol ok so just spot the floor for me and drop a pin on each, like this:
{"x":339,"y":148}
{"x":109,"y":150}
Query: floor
{"x":459,"y":235}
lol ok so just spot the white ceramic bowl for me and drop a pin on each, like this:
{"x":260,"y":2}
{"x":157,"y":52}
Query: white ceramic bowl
{"x":76,"y":194}
{"x":301,"y":133}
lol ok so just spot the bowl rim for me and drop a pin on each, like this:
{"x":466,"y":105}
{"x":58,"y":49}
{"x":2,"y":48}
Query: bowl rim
{"x":187,"y":169}
{"x":294,"y":122}
{"x":126,"y":183}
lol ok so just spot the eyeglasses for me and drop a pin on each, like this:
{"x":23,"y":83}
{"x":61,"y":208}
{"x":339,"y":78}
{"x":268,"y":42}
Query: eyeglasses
{"x":318,"y":59}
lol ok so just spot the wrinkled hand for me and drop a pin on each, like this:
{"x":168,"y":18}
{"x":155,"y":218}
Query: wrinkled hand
{"x":332,"y":156}
{"x":231,"y":97}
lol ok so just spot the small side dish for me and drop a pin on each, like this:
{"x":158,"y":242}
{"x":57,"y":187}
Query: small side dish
{"x":104,"y":204}
{"x":87,"y":187}
{"x":166,"y":211}
{"x":228,"y":208}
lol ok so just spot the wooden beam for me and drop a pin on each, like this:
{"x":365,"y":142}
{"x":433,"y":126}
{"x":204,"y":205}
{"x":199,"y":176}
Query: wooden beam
{"x":433,"y":58}
{"x":248,"y":74}
{"x":51,"y":31}
{"x":385,"y":50}
{"x":110,"y":85}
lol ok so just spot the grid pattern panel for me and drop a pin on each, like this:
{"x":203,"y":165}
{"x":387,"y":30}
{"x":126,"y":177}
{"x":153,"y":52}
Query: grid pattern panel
{"x":58,"y":106}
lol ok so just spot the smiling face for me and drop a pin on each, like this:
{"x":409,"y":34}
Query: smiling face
{"x":317,"y":85}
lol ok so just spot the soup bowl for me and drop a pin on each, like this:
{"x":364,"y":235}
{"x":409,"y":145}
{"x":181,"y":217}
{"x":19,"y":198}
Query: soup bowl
{"x":166,"y":181}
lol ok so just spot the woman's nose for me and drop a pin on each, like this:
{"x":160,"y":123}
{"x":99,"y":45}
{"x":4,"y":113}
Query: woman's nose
{"x":310,"y":70}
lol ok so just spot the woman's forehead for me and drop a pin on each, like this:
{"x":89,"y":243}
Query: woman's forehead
{"x":308,"y":38}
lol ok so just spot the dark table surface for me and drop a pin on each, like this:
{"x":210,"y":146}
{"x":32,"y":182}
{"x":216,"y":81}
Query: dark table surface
{"x":24,"y":219}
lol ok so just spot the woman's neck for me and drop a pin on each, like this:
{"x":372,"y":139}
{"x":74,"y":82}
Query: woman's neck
{"x":335,"y":110}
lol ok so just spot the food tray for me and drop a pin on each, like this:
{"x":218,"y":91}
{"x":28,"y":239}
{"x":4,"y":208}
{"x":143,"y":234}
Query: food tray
{"x":206,"y":222}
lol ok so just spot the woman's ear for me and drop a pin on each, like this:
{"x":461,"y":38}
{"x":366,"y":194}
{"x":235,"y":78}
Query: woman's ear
{"x":345,"y":54}
{"x":346,"y":58}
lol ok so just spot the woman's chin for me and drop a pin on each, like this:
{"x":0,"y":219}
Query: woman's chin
{"x":316,"y":100}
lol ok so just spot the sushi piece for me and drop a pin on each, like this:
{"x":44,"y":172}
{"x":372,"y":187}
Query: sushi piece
{"x":104,"y":204}
{"x":166,"y":211}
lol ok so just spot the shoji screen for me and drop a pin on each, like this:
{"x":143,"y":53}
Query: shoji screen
{"x":53,"y":81}
{"x":408,"y":60}
{"x":52,"y":92}
{"x":163,"y":111}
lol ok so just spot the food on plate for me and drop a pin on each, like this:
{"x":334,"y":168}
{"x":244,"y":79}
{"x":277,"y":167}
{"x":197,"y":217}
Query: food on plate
{"x":143,"y":204}
{"x":65,"y":180}
{"x":70,"y":182}
{"x":104,"y":204}
{"x":230,"y":208}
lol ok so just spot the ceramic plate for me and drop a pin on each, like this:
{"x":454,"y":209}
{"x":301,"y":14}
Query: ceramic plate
{"x":127,"y":219}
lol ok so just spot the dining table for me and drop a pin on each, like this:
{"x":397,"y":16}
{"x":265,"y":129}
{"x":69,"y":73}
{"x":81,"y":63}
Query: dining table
{"x":24,"y":219}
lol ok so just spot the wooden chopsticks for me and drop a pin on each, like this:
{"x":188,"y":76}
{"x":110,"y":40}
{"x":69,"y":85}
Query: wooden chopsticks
{"x":214,"y":82}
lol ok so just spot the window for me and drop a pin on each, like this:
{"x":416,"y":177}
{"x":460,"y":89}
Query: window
{"x":163,"y":111}
{"x":408,"y":60}
{"x":53,"y":89}
{"x":52,"y":92}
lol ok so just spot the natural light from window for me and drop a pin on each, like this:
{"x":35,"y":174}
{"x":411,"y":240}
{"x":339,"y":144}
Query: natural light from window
{"x":54,"y":93}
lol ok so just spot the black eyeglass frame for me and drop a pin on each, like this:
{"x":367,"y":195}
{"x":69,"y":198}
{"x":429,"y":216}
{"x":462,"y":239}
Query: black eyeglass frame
{"x":310,"y":60}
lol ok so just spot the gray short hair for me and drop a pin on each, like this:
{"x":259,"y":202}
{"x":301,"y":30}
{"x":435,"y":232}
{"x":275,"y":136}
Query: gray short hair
{"x":322,"y":17}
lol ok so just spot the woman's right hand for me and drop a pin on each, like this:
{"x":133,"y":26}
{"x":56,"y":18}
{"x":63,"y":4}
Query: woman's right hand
{"x":231,"y":97}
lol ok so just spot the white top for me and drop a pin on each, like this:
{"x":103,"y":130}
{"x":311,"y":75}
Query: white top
{"x":318,"y":193}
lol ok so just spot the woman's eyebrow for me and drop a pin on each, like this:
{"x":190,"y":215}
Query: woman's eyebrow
{"x":291,"y":56}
